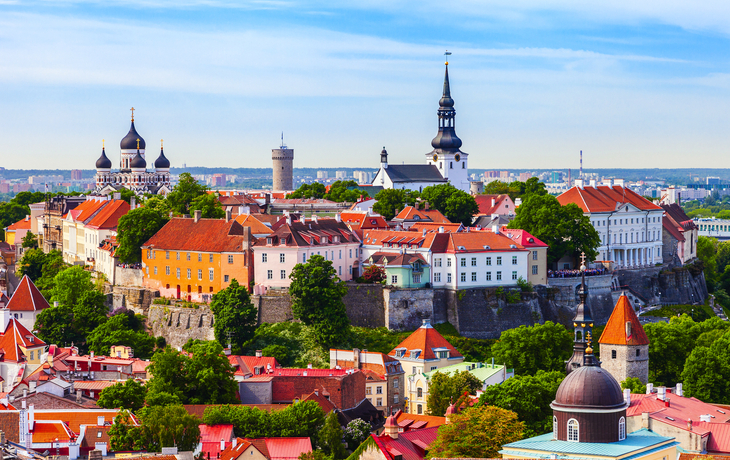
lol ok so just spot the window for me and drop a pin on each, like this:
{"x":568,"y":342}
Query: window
{"x":269,"y":274}
{"x":613,"y":354}
{"x":419,"y":409}
{"x":437,"y":277}
{"x":473,"y":276}
{"x":555,"y":427}
{"x":177,"y":256}
{"x":621,"y":429}
{"x":416,"y":278}
{"x":230,"y":258}
{"x":177,"y":271}
{"x":98,"y":434}
{"x":190,"y":272}
{"x":638,"y":352}
{"x":448,"y":261}
{"x":340,"y":253}
{"x":463,"y":277}
{"x":264,"y":257}
{"x":573,"y":434}
{"x":225,"y":278}
{"x":489,"y":276}
{"x":167,"y":255}
{"x":448,"y":277}
{"x":534,"y":255}
{"x":282,"y":258}
{"x":514,"y":276}
{"x":200,"y":274}
{"x":32,"y":355}
{"x":443,"y":354}
{"x":394,"y":279}
{"x":462,"y":262}
{"x":534,"y":269}
{"x":379,"y":402}
{"x":211,"y":273}
{"x":489,"y":261}
{"x":473,"y":261}
{"x":368,"y":391}
{"x":155,"y":270}
{"x":514,"y":260}
{"x":499,"y":260}
{"x":187,"y":256}
{"x":419,"y":392}
{"x":339,"y":270}
{"x":379,"y":390}
{"x":499,"y":276}
{"x":351,"y":253}
{"x":210,"y":258}
{"x":395,"y":398}
{"x":304,"y":258}
{"x":200,"y":257}
{"x":282,"y":240}
{"x":283,"y":274}
{"x":433,"y":368}
{"x":437,"y":262}
{"x":395,"y":382}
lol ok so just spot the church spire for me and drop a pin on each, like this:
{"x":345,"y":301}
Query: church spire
{"x":582,"y":324}
{"x":446,"y":140}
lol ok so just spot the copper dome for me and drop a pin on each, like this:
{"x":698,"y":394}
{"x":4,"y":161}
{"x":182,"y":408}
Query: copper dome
{"x":589,"y":387}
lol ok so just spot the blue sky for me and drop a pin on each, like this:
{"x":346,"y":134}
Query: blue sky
{"x":632,"y":84}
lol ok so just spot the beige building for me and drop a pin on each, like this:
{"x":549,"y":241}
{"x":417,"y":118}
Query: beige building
{"x":384,"y":376}
{"x":537,"y":266}
{"x":86,"y":226}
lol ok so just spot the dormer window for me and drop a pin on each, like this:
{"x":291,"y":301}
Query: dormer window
{"x":282,"y":241}
{"x":269,"y":241}
{"x":400,"y":352}
{"x":323,"y":240}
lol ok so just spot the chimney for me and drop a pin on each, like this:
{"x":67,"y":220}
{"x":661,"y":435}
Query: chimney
{"x":309,"y":366}
{"x":288,"y":219}
{"x":303,"y":219}
{"x":234,"y":443}
{"x":4,"y":318}
{"x":338,"y":218}
{"x":314,"y":218}
{"x":92,"y":355}
{"x":703,"y":418}
{"x":78,"y":396}
{"x":645,"y":420}
{"x":494,"y":201}
{"x":198,"y":213}
{"x":666,"y":402}
{"x":426,"y":206}
{"x":316,"y":391}
{"x":356,"y":358}
{"x":661,"y":393}
{"x":25,"y":392}
{"x":223,"y":445}
{"x":229,"y":214}
{"x":679,"y":390}
{"x":117,"y":195}
{"x":627,"y":396}
{"x":495,"y":229}
{"x":22,"y":404}
{"x":133,"y":202}
{"x":259,"y":353}
{"x":100,"y":420}
{"x":649,"y":388}
{"x":424,"y":232}
{"x":31,"y":417}
{"x":246,"y":239}
{"x":689,"y":424}
{"x":441,"y":229}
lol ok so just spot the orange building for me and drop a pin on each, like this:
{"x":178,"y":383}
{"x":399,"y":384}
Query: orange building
{"x":193,"y":258}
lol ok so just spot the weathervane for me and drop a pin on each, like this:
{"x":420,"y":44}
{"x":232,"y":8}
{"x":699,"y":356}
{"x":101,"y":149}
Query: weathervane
{"x":447,"y":54}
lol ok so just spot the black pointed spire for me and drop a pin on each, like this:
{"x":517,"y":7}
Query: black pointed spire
{"x":446,"y":100}
{"x":582,"y":325}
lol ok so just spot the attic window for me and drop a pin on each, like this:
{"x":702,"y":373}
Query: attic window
{"x":336,"y":239}
{"x":282,"y":241}
{"x":323,"y":240}
{"x":486,"y":246}
{"x":400,"y":352}
{"x":669,"y":418}
{"x":269,"y":241}
{"x":530,"y":240}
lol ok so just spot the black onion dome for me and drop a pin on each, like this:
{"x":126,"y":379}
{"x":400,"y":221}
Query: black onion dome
{"x":589,"y":387}
{"x":446,"y":139}
{"x":138,"y":162}
{"x":162,"y":162}
{"x":103,"y":162}
{"x":130,"y":140}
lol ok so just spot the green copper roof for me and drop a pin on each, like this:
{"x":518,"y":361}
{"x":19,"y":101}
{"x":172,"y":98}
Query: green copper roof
{"x":482,"y":373}
{"x":626,"y":449}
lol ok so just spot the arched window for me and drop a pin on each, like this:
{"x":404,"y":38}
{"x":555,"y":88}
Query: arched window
{"x":573,"y":429}
{"x":555,"y":427}
{"x":621,"y":429}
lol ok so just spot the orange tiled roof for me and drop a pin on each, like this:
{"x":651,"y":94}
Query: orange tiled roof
{"x":426,"y":338}
{"x":15,"y":336}
{"x":431,"y":420}
{"x":206,"y":235}
{"x":485,"y":203}
{"x":85,"y":210}
{"x":257,"y":227}
{"x":109,"y":215}
{"x":22,"y":224}
{"x":27,"y":297}
{"x":434,"y":226}
{"x":74,"y":418}
{"x":615,"y":332}
{"x":605,"y":199}
{"x":45,"y":431}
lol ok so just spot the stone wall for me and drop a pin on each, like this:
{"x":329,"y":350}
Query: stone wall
{"x":564,"y":292}
{"x":137,"y":299}
{"x":274,"y":307}
{"x":178,"y":324}
{"x":128,"y":276}
{"x":626,"y":364}
{"x":665,"y":286}
{"x":405,"y":309}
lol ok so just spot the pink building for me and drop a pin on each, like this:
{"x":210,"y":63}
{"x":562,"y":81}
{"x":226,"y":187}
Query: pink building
{"x":295,"y":242}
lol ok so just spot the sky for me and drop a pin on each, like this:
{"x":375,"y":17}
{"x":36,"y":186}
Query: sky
{"x":634,"y":84}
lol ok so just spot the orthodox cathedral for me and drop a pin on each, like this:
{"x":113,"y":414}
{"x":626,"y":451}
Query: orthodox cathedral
{"x":446,"y":163}
{"x":133,"y":174}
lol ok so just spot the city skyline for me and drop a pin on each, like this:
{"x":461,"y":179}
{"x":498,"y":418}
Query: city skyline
{"x":631,"y":85}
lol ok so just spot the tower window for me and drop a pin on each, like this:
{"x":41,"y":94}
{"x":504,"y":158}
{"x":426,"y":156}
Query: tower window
{"x":573,"y":430}
{"x":638,"y":352}
{"x":463,"y":166}
{"x":613,"y":354}
{"x":451,"y":165}
{"x":621,"y":429}
{"x":555,"y":427}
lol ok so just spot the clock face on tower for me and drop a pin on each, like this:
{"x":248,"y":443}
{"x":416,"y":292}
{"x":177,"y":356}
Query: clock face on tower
{"x":457,"y":157}
{"x":435,"y":158}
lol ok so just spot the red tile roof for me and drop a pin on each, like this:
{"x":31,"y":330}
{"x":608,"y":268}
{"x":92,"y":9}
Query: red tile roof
{"x":74,"y":418}
{"x":206,"y":235}
{"x":362,"y":220}
{"x":485,"y":203}
{"x":247,"y":364}
{"x":431,"y":421}
{"x":476,"y":242}
{"x":410,"y":213}
{"x":615,"y":332}
{"x":22,"y":224}
{"x":271,"y":448}
{"x":211,"y":436}
{"x":605,"y":199}
{"x":310,"y":233}
{"x":396,"y":239}
{"x":523,"y":238}
{"x":312,"y":372}
{"x":15,"y":336}
{"x":27,"y":297}
{"x":435,"y":226}
{"x":108,"y":216}
{"x":673,"y":227}
{"x":409,"y":444}
{"x":323,"y":402}
{"x":256,"y":225}
{"x":85,"y":210}
{"x":426,"y":338}
{"x":93,"y":385}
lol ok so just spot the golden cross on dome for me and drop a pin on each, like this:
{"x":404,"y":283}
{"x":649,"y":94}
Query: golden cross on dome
{"x":132,"y":109}
{"x":102,"y":144}
{"x":161,"y":140}
{"x":582,"y":258}
{"x":137,"y":143}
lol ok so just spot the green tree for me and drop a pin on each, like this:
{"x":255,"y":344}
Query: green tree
{"x":167,"y":368}
{"x":317,"y":300}
{"x":477,"y":432}
{"x":55,"y":325}
{"x":278,"y":352}
{"x":159,"y":204}
{"x":186,"y":190}
{"x":330,"y":438}
{"x":529,"y":396}
{"x":235,"y":315}
{"x":706,"y":373}
{"x":166,"y":426}
{"x":70,"y":285}
{"x":123,"y":433}
{"x":633,"y":384}
{"x":134,"y":229}
{"x":129,"y":394}
{"x":209,"y":206}
{"x":339,"y":192}
{"x":497,"y":187}
{"x":120,"y":330}
{"x":42,"y":268}
{"x":30,"y":240}
{"x":563,"y":228}
{"x":455,"y":204}
{"x":706,"y":251}
{"x":391,"y":200}
{"x":313,"y":190}
{"x":443,"y":389}
{"x":529,"y":349}
{"x":356,"y":432}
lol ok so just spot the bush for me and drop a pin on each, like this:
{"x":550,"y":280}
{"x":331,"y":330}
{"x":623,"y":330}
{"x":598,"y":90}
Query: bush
{"x":524,"y":285}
